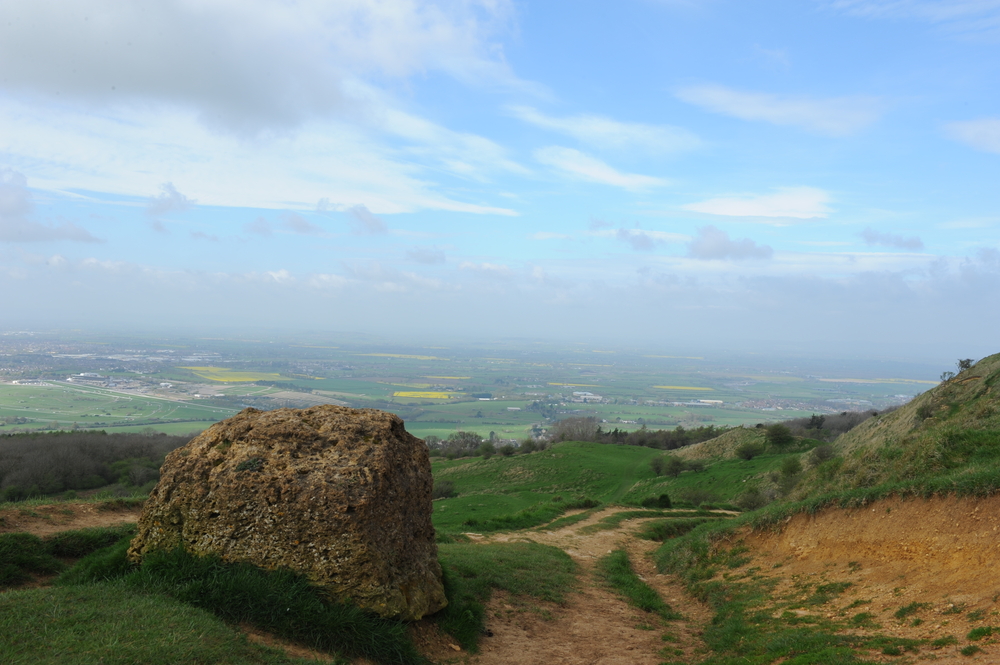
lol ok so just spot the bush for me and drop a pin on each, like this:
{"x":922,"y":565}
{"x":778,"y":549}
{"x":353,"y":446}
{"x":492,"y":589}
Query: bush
{"x":662,"y":501}
{"x":748,"y":451}
{"x":791,"y":467}
{"x":779,"y":435}
{"x":752,"y":499}
{"x":820,"y":454}
{"x":443,"y":489}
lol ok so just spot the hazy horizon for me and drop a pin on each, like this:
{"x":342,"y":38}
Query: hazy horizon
{"x":801,"y":178}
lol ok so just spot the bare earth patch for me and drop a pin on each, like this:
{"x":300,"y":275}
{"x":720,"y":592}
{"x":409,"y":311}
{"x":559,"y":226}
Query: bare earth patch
{"x":932,"y":561}
{"x":595,"y":625}
{"x":55,"y":518}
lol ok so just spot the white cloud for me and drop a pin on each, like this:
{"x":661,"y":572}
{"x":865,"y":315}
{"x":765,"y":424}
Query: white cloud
{"x":16,"y":206}
{"x":607,"y":133}
{"x":873,"y":237}
{"x":363,"y":222}
{"x":982,"y":134}
{"x":246,"y":66}
{"x":787,"y":202}
{"x":626,"y":235}
{"x":132,"y":153}
{"x":258,"y":227}
{"x":169,"y":200}
{"x":714,"y":244}
{"x":487,"y":269}
{"x":968,"y":16}
{"x":835,"y":116}
{"x":296,"y":223}
{"x":584,"y":167}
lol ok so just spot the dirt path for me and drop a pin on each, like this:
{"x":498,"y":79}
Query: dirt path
{"x":595,"y":626}
{"x":54,"y":518}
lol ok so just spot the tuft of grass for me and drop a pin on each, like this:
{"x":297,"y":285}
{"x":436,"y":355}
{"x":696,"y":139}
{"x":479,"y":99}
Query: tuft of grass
{"x":946,"y":641}
{"x":969,"y":650}
{"x":976,"y":615}
{"x":616,"y":570}
{"x":23,"y":555}
{"x":102,"y":624}
{"x":912,"y":608}
{"x":981,"y":632}
{"x":473,"y":571}
{"x":81,"y":542}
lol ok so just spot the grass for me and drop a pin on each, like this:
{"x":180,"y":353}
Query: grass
{"x":616,"y":570}
{"x":665,"y":529}
{"x":612,"y":522}
{"x":527,"y":518}
{"x":279,"y":602}
{"x":23,"y":555}
{"x":59,"y":626}
{"x":473,"y":571}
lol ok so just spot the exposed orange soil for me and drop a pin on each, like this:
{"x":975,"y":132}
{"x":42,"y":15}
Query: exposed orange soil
{"x":944,"y":552}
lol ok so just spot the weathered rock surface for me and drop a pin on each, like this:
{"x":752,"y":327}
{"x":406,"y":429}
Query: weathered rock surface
{"x":340,"y":495}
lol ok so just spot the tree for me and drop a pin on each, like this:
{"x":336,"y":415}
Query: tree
{"x":672,"y":466}
{"x":575,"y":429}
{"x":779,"y":435}
{"x":947,"y":376}
{"x":964,"y":364}
{"x":487,"y":449}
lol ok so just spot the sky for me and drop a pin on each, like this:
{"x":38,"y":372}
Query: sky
{"x":801,"y":175}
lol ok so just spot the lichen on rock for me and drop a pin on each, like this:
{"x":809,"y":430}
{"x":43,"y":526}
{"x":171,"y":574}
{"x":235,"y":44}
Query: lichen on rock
{"x":340,"y":495}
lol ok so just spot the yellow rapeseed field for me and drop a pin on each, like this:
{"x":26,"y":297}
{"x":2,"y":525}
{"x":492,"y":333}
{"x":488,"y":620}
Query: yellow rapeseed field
{"x":422,"y":394}
{"x":226,"y":375}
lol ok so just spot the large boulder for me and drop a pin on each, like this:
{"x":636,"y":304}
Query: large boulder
{"x":340,"y":495}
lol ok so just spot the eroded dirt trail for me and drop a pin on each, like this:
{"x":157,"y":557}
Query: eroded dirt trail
{"x":595,"y":626}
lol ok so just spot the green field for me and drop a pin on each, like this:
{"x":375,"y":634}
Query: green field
{"x":437,"y":391}
{"x":63,"y":406}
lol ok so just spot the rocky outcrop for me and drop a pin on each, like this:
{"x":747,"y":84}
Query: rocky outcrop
{"x":340,"y":495}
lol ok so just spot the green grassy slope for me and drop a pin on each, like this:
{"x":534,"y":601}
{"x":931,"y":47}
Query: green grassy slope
{"x":951,"y":429}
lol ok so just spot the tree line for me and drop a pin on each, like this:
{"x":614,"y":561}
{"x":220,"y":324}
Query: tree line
{"x":49,"y":463}
{"x":590,"y":429}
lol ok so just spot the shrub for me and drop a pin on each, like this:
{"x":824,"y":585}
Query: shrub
{"x":662,"y":501}
{"x":820,"y":454}
{"x":748,"y":451}
{"x":791,"y":467}
{"x":443,"y":489}
{"x":752,"y":499}
{"x":779,"y":435}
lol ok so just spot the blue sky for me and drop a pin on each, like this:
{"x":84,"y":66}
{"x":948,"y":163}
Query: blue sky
{"x":810,"y":175}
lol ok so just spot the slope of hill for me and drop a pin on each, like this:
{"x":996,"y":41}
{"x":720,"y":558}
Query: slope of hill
{"x":722,"y":447}
{"x":951,"y":429}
